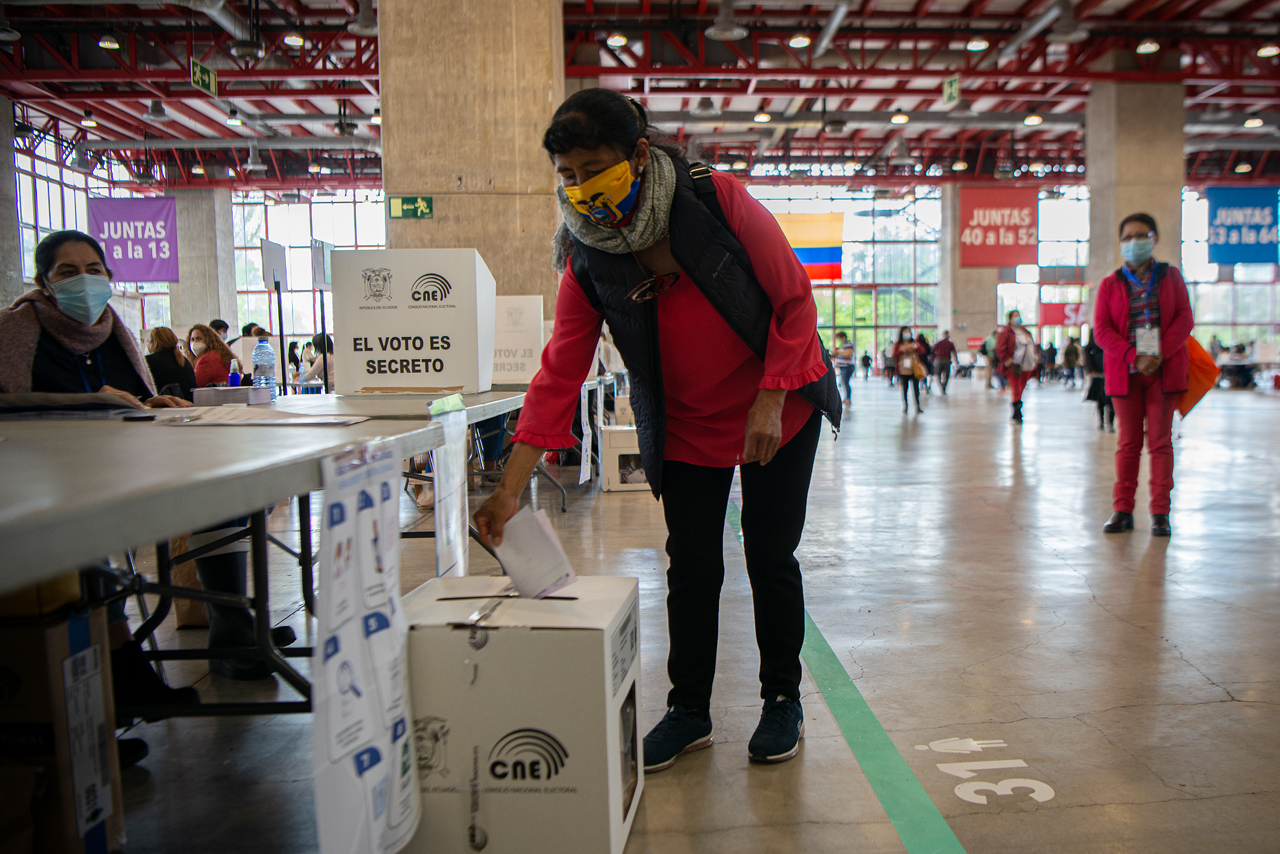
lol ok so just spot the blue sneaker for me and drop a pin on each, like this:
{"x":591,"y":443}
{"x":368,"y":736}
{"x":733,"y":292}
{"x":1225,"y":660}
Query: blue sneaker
{"x":777,"y":738}
{"x":681,"y":730}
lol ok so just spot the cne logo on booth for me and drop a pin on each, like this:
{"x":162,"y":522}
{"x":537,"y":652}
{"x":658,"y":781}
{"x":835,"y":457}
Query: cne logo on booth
{"x":528,"y":753}
{"x":431,"y":287}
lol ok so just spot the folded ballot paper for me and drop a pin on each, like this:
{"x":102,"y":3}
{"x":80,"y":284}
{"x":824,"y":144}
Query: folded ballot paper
{"x":532,"y":556}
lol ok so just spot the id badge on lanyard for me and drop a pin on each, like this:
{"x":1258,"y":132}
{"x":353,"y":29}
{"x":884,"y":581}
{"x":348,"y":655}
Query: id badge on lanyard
{"x":1146,"y":337}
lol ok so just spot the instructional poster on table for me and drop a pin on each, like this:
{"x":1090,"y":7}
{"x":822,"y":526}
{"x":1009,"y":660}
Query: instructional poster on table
{"x":449,"y":475}
{"x":365,"y":776}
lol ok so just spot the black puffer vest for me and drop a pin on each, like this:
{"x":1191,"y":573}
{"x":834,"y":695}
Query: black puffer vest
{"x":709,"y":253}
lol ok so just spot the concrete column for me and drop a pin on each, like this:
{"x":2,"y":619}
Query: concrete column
{"x":11,"y":284}
{"x":1134,"y":163}
{"x":966,"y":295}
{"x":468,"y":86}
{"x":206,"y":260}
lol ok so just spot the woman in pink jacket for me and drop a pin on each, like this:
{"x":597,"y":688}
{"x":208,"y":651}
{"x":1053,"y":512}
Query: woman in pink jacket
{"x":1142,"y":321}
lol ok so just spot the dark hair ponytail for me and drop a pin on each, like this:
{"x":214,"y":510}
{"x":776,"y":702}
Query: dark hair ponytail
{"x":598,"y":118}
{"x":47,"y":251}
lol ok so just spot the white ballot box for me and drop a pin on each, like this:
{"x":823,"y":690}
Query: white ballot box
{"x":525,"y":716}
{"x":408,"y":320}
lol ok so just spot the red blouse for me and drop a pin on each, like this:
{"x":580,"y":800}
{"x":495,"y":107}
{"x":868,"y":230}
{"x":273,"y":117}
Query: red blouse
{"x":709,"y":375}
{"x":211,"y":369}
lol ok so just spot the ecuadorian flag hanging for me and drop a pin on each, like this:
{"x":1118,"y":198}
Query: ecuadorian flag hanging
{"x":818,"y":241}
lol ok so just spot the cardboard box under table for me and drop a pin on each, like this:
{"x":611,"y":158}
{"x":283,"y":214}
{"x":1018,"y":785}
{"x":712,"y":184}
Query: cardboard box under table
{"x":525,"y":716}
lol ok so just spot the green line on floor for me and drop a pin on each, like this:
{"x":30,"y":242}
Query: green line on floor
{"x":920,"y":826}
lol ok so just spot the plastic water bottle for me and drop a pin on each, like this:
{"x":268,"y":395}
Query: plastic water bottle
{"x":264,"y":367}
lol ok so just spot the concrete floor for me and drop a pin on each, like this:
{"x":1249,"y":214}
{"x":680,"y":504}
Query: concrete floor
{"x":956,"y":566}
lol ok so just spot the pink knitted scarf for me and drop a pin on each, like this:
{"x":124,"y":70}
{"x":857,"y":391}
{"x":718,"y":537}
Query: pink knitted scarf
{"x":35,"y":312}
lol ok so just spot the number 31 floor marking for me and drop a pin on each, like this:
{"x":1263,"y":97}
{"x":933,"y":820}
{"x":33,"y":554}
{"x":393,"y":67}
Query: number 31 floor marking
{"x":971,"y":791}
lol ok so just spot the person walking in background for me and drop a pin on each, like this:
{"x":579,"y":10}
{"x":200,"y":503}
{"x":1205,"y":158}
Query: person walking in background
{"x":1097,"y":388}
{"x":1142,"y":321}
{"x":988,"y":349}
{"x":213,"y":357}
{"x":1016,"y":352}
{"x":890,"y":368}
{"x":926,"y":353}
{"x":944,"y":353}
{"x":866,"y":365}
{"x":842,"y":354}
{"x":1049,"y":360}
{"x":910,"y":367}
{"x":1070,"y":360}
{"x":167,"y":364}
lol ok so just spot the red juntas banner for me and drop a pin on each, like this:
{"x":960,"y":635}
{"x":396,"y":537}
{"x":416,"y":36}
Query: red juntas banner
{"x":1064,"y":313}
{"x":998,"y":226}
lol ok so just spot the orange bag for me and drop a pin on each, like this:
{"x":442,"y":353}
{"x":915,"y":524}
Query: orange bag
{"x":1202,"y":375}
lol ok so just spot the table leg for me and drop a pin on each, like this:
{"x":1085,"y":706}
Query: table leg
{"x":164,"y":579}
{"x":262,"y":605}
{"x":305,"y":559}
{"x":541,"y":469}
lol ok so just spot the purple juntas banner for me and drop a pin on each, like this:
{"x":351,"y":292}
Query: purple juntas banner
{"x":140,"y":237}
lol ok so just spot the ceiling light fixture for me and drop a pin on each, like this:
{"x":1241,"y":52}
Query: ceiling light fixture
{"x":798,"y":41}
{"x":376,"y":118}
{"x":739,"y":164}
{"x":293,"y":38}
{"x":705,"y":108}
{"x":1148,"y":46}
{"x":156,"y":114}
{"x":197,"y":169}
{"x":314,"y":168}
{"x":762,"y":118}
{"x":87,"y":121}
{"x":1242,"y":168}
{"x":616,"y":40}
{"x":7,"y":33}
{"x":899,"y":118}
{"x":233,"y":118}
{"x":959,"y":166}
{"x":1253,"y":122}
{"x":725,"y":28}
{"x":248,"y":49}
{"x":108,"y":41}
{"x":1036,"y":166}
{"x":366,"y":23}
{"x":1269,"y":50}
{"x":1033,"y":119}
{"x":835,"y":126}
{"x":977,"y":43}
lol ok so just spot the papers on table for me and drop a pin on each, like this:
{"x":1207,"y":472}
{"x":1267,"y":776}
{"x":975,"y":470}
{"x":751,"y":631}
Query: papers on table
{"x":201,"y":416}
{"x":531,"y":554}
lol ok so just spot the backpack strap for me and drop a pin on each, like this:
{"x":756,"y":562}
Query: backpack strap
{"x":705,"y":187}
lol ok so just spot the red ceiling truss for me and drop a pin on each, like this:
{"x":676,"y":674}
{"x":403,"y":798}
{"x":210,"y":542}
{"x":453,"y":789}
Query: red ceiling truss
{"x":888,"y":55}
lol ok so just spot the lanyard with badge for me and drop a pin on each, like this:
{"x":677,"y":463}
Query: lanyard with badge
{"x":1146,"y":337}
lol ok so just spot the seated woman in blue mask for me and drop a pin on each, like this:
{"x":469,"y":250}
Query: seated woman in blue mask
{"x":63,"y":337}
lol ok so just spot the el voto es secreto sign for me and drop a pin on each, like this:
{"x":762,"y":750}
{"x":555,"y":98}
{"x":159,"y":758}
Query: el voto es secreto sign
{"x":412,"y":320}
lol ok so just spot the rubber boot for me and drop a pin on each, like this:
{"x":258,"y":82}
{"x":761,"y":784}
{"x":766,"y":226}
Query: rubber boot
{"x":231,"y":626}
{"x":1017,"y":412}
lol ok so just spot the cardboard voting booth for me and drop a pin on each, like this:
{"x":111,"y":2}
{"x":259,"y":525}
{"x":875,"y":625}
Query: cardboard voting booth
{"x":412,"y":320}
{"x":620,"y":460}
{"x":517,"y":340}
{"x":525,"y":716}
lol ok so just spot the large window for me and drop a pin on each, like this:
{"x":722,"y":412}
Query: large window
{"x":1063,"y":237}
{"x":1238,"y":303}
{"x":349,"y":219}
{"x":889,"y":266}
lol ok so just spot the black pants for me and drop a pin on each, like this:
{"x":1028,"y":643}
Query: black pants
{"x":944,"y":376}
{"x":915,"y":387}
{"x":694,"y":499}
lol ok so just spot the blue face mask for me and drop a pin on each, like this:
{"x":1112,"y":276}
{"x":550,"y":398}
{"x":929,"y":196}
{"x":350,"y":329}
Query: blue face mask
{"x":1137,"y":251}
{"x":82,"y":297}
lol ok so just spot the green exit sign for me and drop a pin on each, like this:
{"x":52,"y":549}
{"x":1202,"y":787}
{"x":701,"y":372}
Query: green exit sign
{"x":951,"y":90}
{"x":410,"y":207}
{"x":204,"y":78}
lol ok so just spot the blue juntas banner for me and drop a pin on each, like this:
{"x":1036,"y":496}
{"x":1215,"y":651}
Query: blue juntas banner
{"x":1242,"y":225}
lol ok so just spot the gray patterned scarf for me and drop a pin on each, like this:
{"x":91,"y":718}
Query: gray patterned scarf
{"x":649,"y":223}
